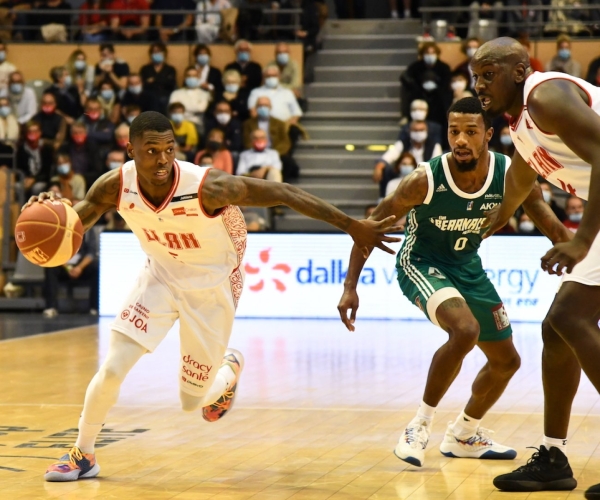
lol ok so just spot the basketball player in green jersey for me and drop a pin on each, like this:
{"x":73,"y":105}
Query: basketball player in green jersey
{"x":440,"y":272}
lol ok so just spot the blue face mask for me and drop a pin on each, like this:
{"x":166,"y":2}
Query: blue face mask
{"x":576,"y":217}
{"x":16,"y":88}
{"x":283,"y":58}
{"x":68,"y":80}
{"x":80,"y":65}
{"x":131,"y":118}
{"x":505,"y":140}
{"x":2,"y":56}
{"x":158,"y":57}
{"x":263,"y":112}
{"x":429,"y":85}
{"x":243,"y":57}
{"x":177,"y":117}
{"x":203,"y":59}
{"x":135,"y":89}
{"x":564,"y":53}
{"x":232,"y":88}
{"x":192,"y":82}
{"x":430,"y":59}
{"x":5,"y":111}
{"x":113,"y":165}
{"x":107,"y":94}
{"x":272,"y":82}
{"x":63,"y":169}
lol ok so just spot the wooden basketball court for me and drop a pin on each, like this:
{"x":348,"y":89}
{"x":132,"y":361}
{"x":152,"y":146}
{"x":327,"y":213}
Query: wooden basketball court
{"x":318,"y":414}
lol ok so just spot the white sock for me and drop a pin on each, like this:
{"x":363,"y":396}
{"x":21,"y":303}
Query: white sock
{"x":561,"y":444}
{"x":394,"y":14}
{"x":425,"y":413}
{"x":465,"y":426}
{"x":406,"y":13}
{"x":87,"y":436}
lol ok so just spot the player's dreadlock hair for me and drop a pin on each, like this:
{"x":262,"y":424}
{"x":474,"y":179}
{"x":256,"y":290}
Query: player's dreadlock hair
{"x":149,"y":121}
{"x":470,"y":106}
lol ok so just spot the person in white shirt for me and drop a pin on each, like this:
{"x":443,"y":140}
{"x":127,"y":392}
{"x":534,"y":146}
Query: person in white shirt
{"x":194,"y":98}
{"x":9,"y":127}
{"x":22,"y":99}
{"x":208,"y":21}
{"x":6,"y":68}
{"x":283,"y":101}
{"x":260,"y":161}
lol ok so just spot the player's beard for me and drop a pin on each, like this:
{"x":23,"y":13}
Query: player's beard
{"x":470,"y":165}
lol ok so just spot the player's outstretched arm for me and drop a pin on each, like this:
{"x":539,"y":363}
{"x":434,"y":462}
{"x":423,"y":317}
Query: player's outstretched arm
{"x":220,"y":190}
{"x":100,"y":198}
{"x":544,"y":218}
{"x":518,"y":183}
{"x":411,"y":192}
{"x":560,"y":107}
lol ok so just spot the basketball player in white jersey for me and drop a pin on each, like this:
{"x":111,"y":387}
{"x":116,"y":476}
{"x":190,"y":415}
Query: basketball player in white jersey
{"x":194,"y":235}
{"x":555,"y":127}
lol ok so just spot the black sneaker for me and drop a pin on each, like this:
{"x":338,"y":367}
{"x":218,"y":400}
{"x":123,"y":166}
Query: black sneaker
{"x":593,"y":492}
{"x":544,"y":471}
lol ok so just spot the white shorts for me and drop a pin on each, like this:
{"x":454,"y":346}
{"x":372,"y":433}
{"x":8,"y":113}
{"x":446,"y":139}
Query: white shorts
{"x":205,"y":323}
{"x":587,"y":272}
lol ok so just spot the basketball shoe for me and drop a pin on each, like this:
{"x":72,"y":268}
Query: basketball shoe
{"x":73,"y":466}
{"x":412,"y":443}
{"x":593,"y":492}
{"x":479,"y":445}
{"x":221,"y":406}
{"x":546,"y":470}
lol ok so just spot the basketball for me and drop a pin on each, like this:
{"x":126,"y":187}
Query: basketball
{"x":49,"y":233}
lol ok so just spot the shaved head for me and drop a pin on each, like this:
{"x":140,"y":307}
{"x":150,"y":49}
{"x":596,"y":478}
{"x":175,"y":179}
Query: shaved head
{"x":502,"y":50}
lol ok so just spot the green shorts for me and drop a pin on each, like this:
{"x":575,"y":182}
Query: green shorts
{"x":427,"y":285}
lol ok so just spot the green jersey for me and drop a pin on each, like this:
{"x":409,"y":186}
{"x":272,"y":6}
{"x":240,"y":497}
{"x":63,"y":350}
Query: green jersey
{"x":447,"y":227}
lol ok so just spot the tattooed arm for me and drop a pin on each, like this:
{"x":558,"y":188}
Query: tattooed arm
{"x":544,"y":218}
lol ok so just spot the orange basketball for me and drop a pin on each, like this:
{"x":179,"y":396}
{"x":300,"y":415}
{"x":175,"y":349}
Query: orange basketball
{"x":49,"y":233}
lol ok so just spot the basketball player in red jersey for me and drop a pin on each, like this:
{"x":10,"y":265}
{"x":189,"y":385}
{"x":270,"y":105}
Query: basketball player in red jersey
{"x":555,"y":127}
{"x":188,"y":224}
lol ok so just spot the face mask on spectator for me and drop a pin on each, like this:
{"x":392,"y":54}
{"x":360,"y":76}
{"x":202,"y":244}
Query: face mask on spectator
{"x":109,"y":61}
{"x":122,"y":143}
{"x":2,"y":56}
{"x":214,"y":145}
{"x":283,"y":58}
{"x":263,"y":112}
{"x":48,"y":108}
{"x":505,"y":140}
{"x":80,"y":64}
{"x":418,"y":115}
{"x":113,"y":165}
{"x":243,"y":57}
{"x":33,"y":136}
{"x":68,"y":80}
{"x":177,"y":117}
{"x":93,"y":115}
{"x":406,"y":168}
{"x":272,"y":82}
{"x":79,"y":138}
{"x":135,"y":89}
{"x":259,"y":144}
{"x":564,"y":53}
{"x":16,"y":88}
{"x":203,"y":59}
{"x":223,"y":118}
{"x":107,"y":94}
{"x":192,"y":82}
{"x":458,"y":85}
{"x":471,"y":51}
{"x":5,"y":111}
{"x":547,"y":195}
{"x":130,"y":119}
{"x":430,"y":59}
{"x":63,"y":169}
{"x":418,"y":136}
{"x":429,"y":85}
{"x":526,"y":226}
{"x":158,"y":57}
{"x":232,"y":88}
{"x":576,"y":217}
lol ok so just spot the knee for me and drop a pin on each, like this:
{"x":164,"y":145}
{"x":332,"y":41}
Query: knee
{"x":508,"y":366}
{"x":558,"y":322}
{"x":111,"y":375}
{"x":464,"y":337}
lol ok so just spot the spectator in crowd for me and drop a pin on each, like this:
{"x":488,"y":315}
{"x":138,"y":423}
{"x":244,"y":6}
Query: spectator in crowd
{"x":502,"y":142}
{"x":6,"y":68}
{"x":81,"y":268}
{"x":99,"y":130}
{"x":72,"y":185}
{"x":536,"y":64}
{"x":85,"y":155}
{"x":52,"y":124}
{"x":288,"y":69}
{"x":548,"y":194}
{"x":114,"y":159}
{"x":215,"y":146}
{"x":250,"y":71}
{"x":525,"y":226}
{"x":132,"y":27}
{"x":208,"y":20}
{"x":468,"y":48}
{"x":222,"y":118}
{"x":524,"y":20}
{"x":159,"y":78}
{"x":121,"y":137}
{"x":419,"y":111}
{"x":22,"y":98}
{"x":260,"y":161}
{"x":420,"y":145}
{"x":131,"y":112}
{"x":206,"y":160}
{"x":110,"y":69}
{"x":459,"y":85}
{"x":68,"y":99}
{"x":563,"y":61}
{"x":109,"y":102}
{"x":402,"y":167}
{"x":95,"y":28}
{"x":428,"y":78}
{"x":136,"y":94}
{"x":235,"y":95}
{"x":82,"y":74}
{"x":9,"y":126}
{"x":574,"y":209}
{"x":186,"y":135}
{"x":34,"y":160}
{"x":54,"y":26}
{"x":194,"y":99}
{"x":172,"y":27}
{"x":276,"y":130}
{"x":210,"y":77}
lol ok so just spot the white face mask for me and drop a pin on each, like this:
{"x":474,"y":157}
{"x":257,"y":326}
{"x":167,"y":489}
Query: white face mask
{"x":458,"y":85}
{"x":471,"y":52}
{"x":430,"y":59}
{"x":429,"y":85}
{"x":526,"y":226}
{"x":576,"y":217}
{"x":418,"y":136}
{"x":223,"y":118}
{"x":418,"y":115}
{"x":547,"y":195}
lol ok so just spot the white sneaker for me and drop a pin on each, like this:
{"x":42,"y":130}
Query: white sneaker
{"x":480,"y":445}
{"x":412,"y":443}
{"x":50,"y":313}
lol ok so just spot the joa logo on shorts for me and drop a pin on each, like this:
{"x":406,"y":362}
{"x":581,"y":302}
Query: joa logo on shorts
{"x":137,"y":315}
{"x":277,"y":270}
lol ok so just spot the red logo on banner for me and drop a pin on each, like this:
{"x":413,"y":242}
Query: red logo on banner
{"x":264,"y":257}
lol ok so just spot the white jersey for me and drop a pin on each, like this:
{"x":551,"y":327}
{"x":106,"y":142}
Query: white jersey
{"x":546,"y":153}
{"x":187,"y":249}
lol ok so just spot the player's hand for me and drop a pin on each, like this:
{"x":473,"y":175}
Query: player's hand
{"x":563,"y":257}
{"x":349,"y":300}
{"x":368,"y":233}
{"x":49,"y":195}
{"x":493,"y":222}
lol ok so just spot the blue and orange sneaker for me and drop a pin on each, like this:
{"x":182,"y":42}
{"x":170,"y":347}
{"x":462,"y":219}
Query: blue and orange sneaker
{"x":479,"y":445}
{"x":73,"y":466}
{"x":221,"y":406}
